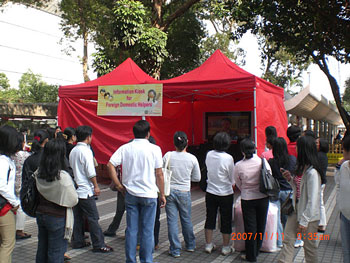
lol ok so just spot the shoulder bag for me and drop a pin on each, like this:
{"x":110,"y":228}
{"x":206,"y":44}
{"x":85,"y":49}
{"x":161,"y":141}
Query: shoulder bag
{"x":167,"y":176}
{"x":269,"y":185}
{"x":287,"y":206}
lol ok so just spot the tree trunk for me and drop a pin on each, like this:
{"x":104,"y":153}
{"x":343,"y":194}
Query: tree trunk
{"x":85,"y":58}
{"x":335,"y":90}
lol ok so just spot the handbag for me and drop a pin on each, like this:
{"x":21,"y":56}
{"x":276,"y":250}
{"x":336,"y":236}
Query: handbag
{"x":269,"y":185}
{"x":3,"y":200}
{"x":167,"y":176}
{"x":287,"y":206}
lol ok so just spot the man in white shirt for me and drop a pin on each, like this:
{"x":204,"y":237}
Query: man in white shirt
{"x":142,"y":172}
{"x":82,"y":163}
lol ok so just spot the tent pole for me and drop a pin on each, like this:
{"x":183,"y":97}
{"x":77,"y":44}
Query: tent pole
{"x":255,"y":121}
{"x":192,"y":119}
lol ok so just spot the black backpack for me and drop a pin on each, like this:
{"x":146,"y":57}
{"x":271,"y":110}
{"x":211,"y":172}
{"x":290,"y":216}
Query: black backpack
{"x":29,"y":195}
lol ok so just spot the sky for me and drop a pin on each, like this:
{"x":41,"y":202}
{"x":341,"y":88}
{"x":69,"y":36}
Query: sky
{"x":32,"y":40}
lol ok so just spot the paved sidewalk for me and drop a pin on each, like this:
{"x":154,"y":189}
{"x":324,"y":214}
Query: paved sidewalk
{"x":329,"y":250}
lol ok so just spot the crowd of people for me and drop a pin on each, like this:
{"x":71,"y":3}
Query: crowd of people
{"x":63,"y":166}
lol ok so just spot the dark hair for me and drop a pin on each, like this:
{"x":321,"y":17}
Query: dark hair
{"x":82,"y":132}
{"x":221,"y":141}
{"x":51,"y":133}
{"x":280,"y":152}
{"x":307,"y":155}
{"x":324,"y":147}
{"x":61,"y":136}
{"x":39,"y":137}
{"x":141,"y":129}
{"x":69,"y":132}
{"x":58,"y":127}
{"x":270,"y":139}
{"x":309,"y":133}
{"x":23,"y":129}
{"x":293,"y":133}
{"x":346,"y":143}
{"x":248,"y":148}
{"x":154,"y":92}
{"x":20,"y":141}
{"x":180,"y":140}
{"x":9,"y":142}
{"x":270,"y":131}
{"x":107,"y":94}
{"x":53,"y":160}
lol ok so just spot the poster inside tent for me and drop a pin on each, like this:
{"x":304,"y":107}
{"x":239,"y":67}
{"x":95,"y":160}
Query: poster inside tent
{"x":130,"y":100}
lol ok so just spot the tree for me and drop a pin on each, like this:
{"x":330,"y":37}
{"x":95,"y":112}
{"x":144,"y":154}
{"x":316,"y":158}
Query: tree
{"x":279,"y":66}
{"x":79,"y":21}
{"x":33,"y":89}
{"x":183,"y":45}
{"x":346,"y":95}
{"x":4,"y":82}
{"x":24,"y":2}
{"x":136,"y":29}
{"x":307,"y":29}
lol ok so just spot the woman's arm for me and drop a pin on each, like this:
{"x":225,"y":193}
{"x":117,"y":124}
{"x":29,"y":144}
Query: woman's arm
{"x":6,"y":175}
{"x":313,"y":184}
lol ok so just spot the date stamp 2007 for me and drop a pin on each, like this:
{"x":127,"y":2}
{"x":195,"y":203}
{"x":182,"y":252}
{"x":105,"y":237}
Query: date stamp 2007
{"x":255,"y":236}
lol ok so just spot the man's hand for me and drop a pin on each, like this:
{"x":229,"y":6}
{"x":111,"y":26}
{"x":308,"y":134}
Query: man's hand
{"x":121,"y":189}
{"x":162,"y":201}
{"x":301,"y":229}
{"x":14,"y":209}
{"x":97,"y":190}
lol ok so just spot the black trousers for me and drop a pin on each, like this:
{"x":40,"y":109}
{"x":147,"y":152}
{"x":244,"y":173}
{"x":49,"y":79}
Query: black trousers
{"x":254,"y":217}
{"x":87,"y":207}
{"x":113,"y":227}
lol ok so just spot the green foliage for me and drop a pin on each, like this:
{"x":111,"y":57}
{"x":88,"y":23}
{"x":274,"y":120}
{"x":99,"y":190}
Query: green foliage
{"x":24,"y":2}
{"x":33,"y":89}
{"x":223,"y":42}
{"x":129,"y":33}
{"x":307,"y":29}
{"x":184,"y":36}
{"x":4,"y":82}
{"x":10,"y":95}
{"x":346,"y":95}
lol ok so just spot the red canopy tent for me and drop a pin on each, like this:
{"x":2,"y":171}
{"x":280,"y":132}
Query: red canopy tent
{"x":218,"y":85}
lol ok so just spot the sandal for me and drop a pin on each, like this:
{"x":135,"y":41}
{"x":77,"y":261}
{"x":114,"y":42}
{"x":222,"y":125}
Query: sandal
{"x":85,"y":244}
{"x":66,"y":257}
{"x":105,"y":249}
{"x":24,"y":236}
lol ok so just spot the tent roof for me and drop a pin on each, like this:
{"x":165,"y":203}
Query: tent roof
{"x":126,"y":73}
{"x":217,"y":77}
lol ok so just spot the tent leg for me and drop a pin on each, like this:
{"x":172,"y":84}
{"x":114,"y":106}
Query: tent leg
{"x":255,"y":120}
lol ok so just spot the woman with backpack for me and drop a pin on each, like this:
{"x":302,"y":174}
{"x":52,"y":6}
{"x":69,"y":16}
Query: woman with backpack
{"x":57,"y":196}
{"x":9,"y":145}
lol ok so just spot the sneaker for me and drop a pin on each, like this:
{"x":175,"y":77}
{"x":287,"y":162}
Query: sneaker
{"x":209,"y":248}
{"x":280,"y":246}
{"x":175,"y":255}
{"x":226,"y":250}
{"x":190,"y":249}
{"x":299,"y":244}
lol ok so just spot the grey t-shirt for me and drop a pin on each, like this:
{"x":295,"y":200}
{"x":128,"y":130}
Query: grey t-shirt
{"x":185,"y":168}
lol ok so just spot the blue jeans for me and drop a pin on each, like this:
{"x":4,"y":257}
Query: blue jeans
{"x":345,"y":237}
{"x":51,"y":242}
{"x":179,"y":203}
{"x":281,"y":219}
{"x":143,"y":209}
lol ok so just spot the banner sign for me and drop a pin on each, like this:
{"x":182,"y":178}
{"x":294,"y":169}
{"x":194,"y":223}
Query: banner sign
{"x":130,"y":100}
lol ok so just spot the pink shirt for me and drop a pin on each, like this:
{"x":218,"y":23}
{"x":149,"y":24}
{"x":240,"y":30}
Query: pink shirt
{"x":247,"y":177}
{"x":267,"y":155}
